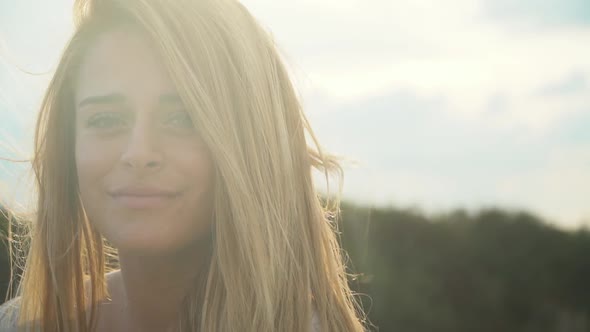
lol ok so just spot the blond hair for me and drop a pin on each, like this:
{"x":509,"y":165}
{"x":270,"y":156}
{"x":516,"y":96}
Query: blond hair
{"x":276,"y":256}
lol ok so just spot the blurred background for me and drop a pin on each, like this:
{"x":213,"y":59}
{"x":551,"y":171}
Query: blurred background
{"x":467,"y":127}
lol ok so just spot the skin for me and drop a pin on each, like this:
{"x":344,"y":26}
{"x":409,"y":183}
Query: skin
{"x":133,"y":133}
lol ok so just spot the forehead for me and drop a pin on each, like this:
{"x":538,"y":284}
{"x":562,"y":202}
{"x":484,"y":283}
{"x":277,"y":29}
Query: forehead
{"x":122,"y":61}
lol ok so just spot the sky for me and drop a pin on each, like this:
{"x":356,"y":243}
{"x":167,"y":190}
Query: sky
{"x":437,"y":104}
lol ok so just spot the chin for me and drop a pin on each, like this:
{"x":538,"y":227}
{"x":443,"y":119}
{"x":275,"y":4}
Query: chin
{"x":155,"y":240}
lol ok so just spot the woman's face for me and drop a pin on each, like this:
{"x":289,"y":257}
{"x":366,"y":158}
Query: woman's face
{"x":145,"y":176}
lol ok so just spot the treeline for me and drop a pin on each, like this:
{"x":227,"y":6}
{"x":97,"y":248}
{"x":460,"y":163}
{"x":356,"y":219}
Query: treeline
{"x":489,"y":271}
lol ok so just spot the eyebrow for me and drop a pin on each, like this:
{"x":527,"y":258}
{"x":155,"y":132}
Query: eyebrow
{"x":117,"y":98}
{"x":113,"y":98}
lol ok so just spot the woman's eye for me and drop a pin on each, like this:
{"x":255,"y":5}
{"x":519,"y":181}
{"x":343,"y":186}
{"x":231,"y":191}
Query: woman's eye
{"x":179,"y":120}
{"x":106,"y":121}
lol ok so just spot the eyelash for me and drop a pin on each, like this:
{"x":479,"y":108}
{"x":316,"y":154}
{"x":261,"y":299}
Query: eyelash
{"x":111,"y":121}
{"x":185,"y":120}
{"x":98,"y":121}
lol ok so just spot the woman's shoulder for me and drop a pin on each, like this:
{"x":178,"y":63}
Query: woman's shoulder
{"x":9,"y":315}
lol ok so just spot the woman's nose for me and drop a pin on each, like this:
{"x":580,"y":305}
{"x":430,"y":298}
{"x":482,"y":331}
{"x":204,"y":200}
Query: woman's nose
{"x":142,"y":152}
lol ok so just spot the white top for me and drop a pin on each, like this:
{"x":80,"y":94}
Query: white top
{"x":9,"y":315}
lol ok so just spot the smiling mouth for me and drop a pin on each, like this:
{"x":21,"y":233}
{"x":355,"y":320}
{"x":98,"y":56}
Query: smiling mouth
{"x":144,"y":201}
{"x":143,"y":198}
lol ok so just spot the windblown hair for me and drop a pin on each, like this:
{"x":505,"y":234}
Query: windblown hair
{"x":276,"y":257}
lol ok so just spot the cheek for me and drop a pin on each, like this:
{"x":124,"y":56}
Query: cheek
{"x":196,"y":170}
{"x":193,"y":162}
{"x":94,"y":162}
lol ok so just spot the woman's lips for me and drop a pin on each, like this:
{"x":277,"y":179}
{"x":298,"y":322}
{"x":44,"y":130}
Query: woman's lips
{"x":143,"y":197}
{"x":143,"y":202}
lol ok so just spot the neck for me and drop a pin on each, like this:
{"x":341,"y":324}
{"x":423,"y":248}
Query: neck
{"x":154,"y":287}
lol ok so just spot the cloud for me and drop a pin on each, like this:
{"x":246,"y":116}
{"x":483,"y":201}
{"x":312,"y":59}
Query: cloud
{"x":540,"y":12}
{"x":446,"y":103}
{"x":573,"y":130}
{"x":575,"y":82}
{"x":416,"y":151}
{"x":452,"y":49}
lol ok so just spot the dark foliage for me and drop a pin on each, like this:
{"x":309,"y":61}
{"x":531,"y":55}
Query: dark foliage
{"x":4,"y":254}
{"x":492,"y":271}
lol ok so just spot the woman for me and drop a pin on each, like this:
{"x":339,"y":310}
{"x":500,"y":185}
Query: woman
{"x":171,"y":132}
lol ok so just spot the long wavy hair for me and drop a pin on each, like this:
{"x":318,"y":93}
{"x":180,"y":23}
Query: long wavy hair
{"x":275,"y":255}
